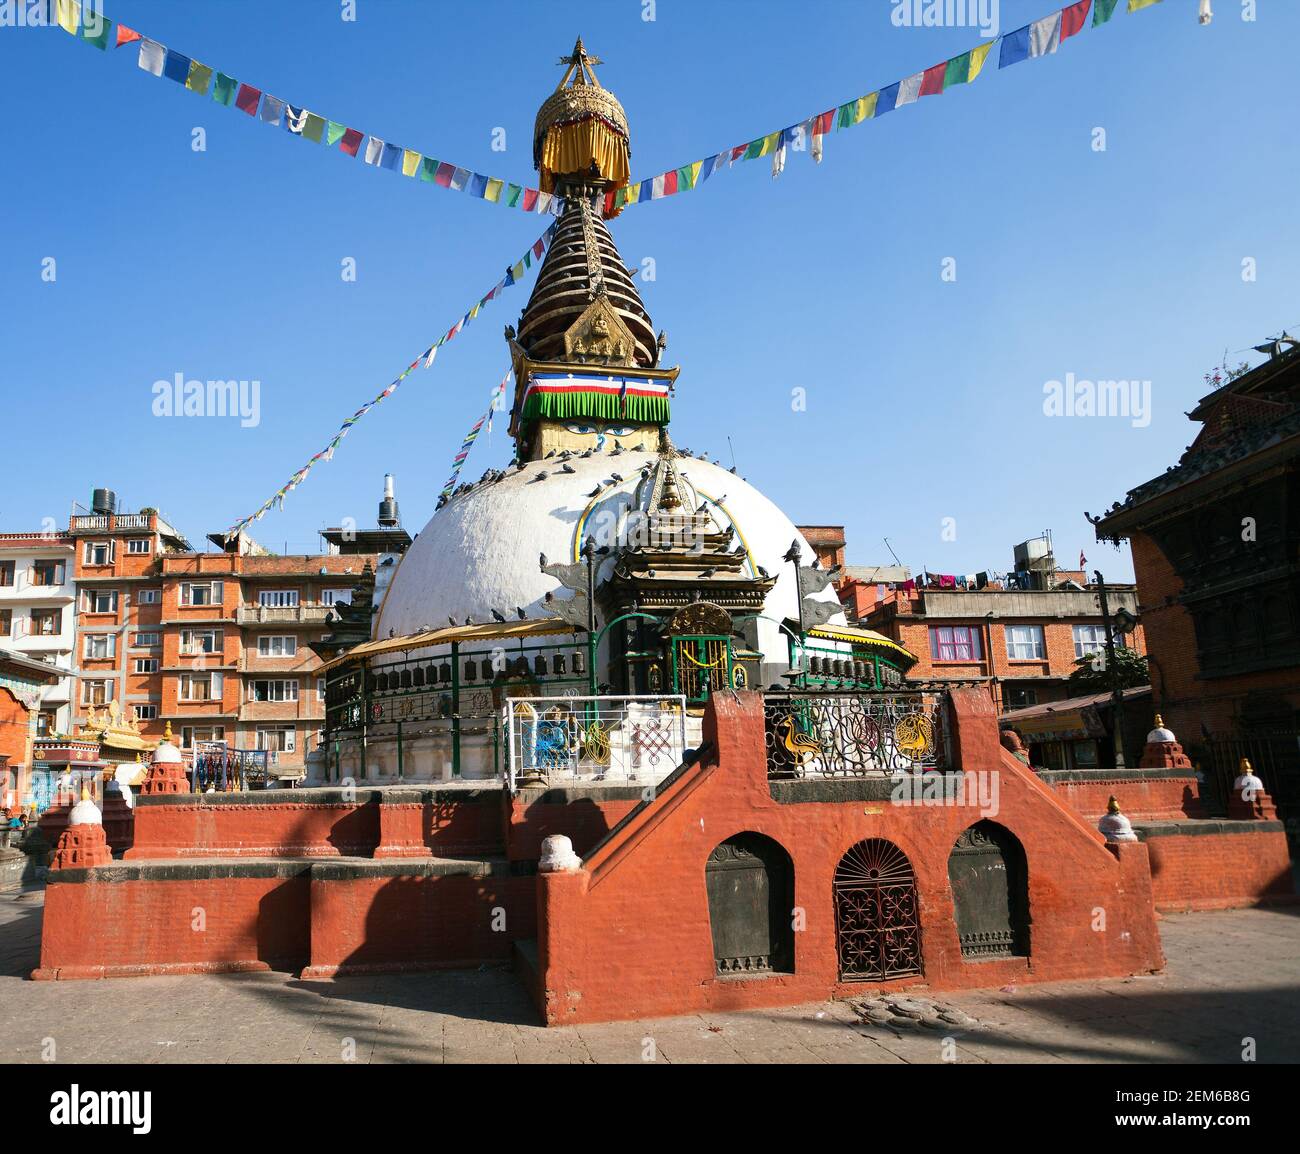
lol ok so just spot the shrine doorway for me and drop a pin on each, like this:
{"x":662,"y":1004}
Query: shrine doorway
{"x":749,"y":879}
{"x":877,"y":918}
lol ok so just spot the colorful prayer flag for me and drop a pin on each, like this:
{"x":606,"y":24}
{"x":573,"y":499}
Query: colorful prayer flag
{"x":334,"y":133}
{"x":351,"y":141}
{"x":374,"y":150}
{"x":295,"y":118}
{"x":1015,"y":47}
{"x":887,"y":99}
{"x":223,"y":89}
{"x":410,"y":162}
{"x":1138,"y":5}
{"x":246,"y":99}
{"x":428,"y":168}
{"x":459,"y":178}
{"x":69,"y":15}
{"x":272,"y":110}
{"x":932,"y":79}
{"x":315,"y":128}
{"x":444,"y":174}
{"x":152,"y":56}
{"x":477,"y":185}
{"x":125,"y":35}
{"x":1102,"y":11}
{"x":199,"y":78}
{"x":95,"y":27}
{"x":176,"y":67}
{"x":513,"y":193}
{"x":909,"y":90}
{"x":493,"y":190}
{"x":1045,"y":35}
{"x":392,"y":157}
{"x":1073,"y":18}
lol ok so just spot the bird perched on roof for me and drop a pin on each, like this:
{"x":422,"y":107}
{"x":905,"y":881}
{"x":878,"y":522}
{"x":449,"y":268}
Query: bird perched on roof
{"x":497,"y":615}
{"x":468,"y":619}
{"x":597,"y":490}
{"x":541,"y":476}
{"x":708,"y":572}
{"x":567,"y":468}
{"x":617,"y":478}
{"x":618,"y":448}
{"x":550,"y":454}
{"x":452,"y":621}
{"x":523,"y":613}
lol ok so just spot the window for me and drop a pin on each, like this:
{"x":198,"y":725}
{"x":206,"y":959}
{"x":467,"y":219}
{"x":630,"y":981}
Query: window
{"x":1089,"y":639}
{"x":272,"y":691}
{"x":320,"y":689}
{"x":1018,"y":696}
{"x":138,"y":545}
{"x":146,"y":665}
{"x":100,"y":601}
{"x":148,"y":597}
{"x":47,"y":572}
{"x":336,"y":597}
{"x":200,"y":687}
{"x":955,"y":643}
{"x":99,"y":646}
{"x":97,"y":692}
{"x":146,"y":640}
{"x":47,"y":622}
{"x":1025,"y":643}
{"x":278,"y":598}
{"x":277,"y":646}
{"x":6,"y":622}
{"x":282,"y":739}
{"x":195,"y":641}
{"x":99,"y":553}
{"x":201,"y":593}
{"x":6,"y":572}
{"x":46,"y":723}
{"x":146,"y":712}
{"x":192,"y":734}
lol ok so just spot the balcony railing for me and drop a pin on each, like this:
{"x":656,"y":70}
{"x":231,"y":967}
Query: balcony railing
{"x":855,"y":735}
{"x":281,"y":615}
{"x":575,"y":740}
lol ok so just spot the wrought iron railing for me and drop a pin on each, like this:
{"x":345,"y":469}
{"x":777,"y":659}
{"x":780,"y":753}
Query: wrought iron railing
{"x":635,"y":740}
{"x":855,"y":735}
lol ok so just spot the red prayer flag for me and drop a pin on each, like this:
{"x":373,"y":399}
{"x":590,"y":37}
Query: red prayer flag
{"x":125,"y":35}
{"x":738,"y":152}
{"x":609,"y":207}
{"x":932,"y":80}
{"x":444,"y":174}
{"x":351,"y":140}
{"x":247,"y":97}
{"x":539,"y":246}
{"x":530,"y":199}
{"x":1074,"y":18}
{"x":670,"y":182}
{"x":823,"y":122}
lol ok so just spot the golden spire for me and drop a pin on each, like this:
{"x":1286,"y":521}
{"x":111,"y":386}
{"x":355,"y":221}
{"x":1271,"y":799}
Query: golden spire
{"x":1160,"y":722}
{"x":580,"y":66}
{"x":167,"y":733}
{"x":1112,"y":806}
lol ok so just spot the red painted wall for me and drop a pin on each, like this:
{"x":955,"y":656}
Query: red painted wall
{"x":1213,"y":871}
{"x":1153,"y":798}
{"x":629,"y":936}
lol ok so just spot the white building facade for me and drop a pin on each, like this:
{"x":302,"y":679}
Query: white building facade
{"x":38,"y":615}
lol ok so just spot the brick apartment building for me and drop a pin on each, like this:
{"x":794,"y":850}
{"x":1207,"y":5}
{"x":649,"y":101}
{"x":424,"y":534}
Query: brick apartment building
{"x":117,"y":561}
{"x":1216,"y":552}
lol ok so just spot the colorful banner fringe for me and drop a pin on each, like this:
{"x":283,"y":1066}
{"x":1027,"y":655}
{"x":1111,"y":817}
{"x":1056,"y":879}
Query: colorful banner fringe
{"x":513,"y":276}
{"x":458,"y":462}
{"x":1041,"y":38}
{"x":159,"y":60}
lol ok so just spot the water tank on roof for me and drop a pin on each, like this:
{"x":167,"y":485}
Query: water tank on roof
{"x":103,"y":501}
{"x":1033,"y":550}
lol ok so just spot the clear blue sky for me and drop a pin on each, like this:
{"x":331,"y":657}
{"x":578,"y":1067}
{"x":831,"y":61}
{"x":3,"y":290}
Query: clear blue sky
{"x":925,"y":398}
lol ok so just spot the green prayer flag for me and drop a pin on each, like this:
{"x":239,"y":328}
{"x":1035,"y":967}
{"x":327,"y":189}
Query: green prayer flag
{"x":314,"y":129}
{"x":428,"y":169}
{"x":334,"y":133}
{"x":1103,"y":10}
{"x":224,"y":88}
{"x":754,"y":150}
{"x":685,"y":179}
{"x":513,"y":193}
{"x":1138,"y":5}
{"x":95,"y":28}
{"x":199,"y":78}
{"x":845,"y":117}
{"x":958,"y":70}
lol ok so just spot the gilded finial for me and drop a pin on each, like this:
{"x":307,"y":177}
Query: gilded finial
{"x":1112,"y":806}
{"x":1160,"y":722}
{"x":167,"y":733}
{"x":1245,"y":765}
{"x":85,"y":793}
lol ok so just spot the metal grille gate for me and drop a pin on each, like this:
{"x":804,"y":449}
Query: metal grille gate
{"x":877,"y":924}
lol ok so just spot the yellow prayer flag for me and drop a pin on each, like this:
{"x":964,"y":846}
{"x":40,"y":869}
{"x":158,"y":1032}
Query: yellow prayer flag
{"x":493,"y":190}
{"x":633,"y":192}
{"x":410,"y":162}
{"x":474,"y":311}
{"x":695,"y":172}
{"x":69,"y":13}
{"x":1138,"y":5}
{"x":769,"y":144}
{"x":865,"y":108}
{"x":977,"y":58}
{"x":200,"y":76}
{"x":518,"y":271}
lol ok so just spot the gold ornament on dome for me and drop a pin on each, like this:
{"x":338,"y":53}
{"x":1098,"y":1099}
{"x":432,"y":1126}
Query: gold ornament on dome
{"x":581,"y":130}
{"x":600,"y":335}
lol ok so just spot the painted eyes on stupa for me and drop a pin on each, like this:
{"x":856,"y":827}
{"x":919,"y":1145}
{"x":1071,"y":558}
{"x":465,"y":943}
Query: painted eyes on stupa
{"x":586,"y":428}
{"x":579,"y":427}
{"x":620,"y":430}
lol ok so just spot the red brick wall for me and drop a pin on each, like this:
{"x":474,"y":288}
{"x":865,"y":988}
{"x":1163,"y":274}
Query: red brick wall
{"x":1151,"y":798}
{"x":1213,"y":871}
{"x":15,"y":730}
{"x":583,"y":822}
{"x":628,"y":935}
{"x":98,"y":929}
{"x":254,"y":830}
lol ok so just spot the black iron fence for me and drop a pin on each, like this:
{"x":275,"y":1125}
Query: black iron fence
{"x":855,"y":735}
{"x":1275,"y":757}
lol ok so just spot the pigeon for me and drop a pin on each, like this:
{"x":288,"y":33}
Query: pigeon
{"x":763,"y":572}
{"x":550,"y":454}
{"x":704,"y":507}
{"x":523,"y":613}
{"x":651,"y":573}
{"x":732,"y":470}
{"x":497,"y":615}
{"x":596,"y":491}
{"x":542,"y":560}
{"x":468,"y":619}
{"x":617,"y":478}
{"x":721,"y":500}
{"x":452,"y":622}
{"x":708,"y":572}
{"x":567,"y":468}
{"x":587,"y":453}
{"x":540,"y":476}
{"x":618,"y":448}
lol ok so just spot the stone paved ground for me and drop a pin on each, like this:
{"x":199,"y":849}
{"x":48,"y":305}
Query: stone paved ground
{"x":1231,"y":975}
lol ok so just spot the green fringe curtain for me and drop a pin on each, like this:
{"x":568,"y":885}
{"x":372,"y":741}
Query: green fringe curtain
{"x":604,"y":406}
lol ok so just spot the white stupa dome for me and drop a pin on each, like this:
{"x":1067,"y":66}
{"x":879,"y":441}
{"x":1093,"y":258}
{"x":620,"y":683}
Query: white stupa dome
{"x":1160,"y":734}
{"x":480,"y":551}
{"x":85,"y":812}
{"x":167,"y":752}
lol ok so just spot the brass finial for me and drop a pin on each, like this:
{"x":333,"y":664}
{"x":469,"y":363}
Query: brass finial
{"x":167,"y":733}
{"x":1160,"y":722}
{"x":579,"y":65}
{"x":1245,"y":766}
{"x":85,"y":793}
{"x":1112,"y":806}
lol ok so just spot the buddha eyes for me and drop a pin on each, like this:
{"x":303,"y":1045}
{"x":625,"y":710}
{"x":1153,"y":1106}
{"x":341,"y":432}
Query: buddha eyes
{"x":620,"y":430}
{"x":584,"y":427}
{"x":579,"y":427}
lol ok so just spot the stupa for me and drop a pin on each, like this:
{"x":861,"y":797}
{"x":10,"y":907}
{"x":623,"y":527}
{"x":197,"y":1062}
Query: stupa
{"x":605,"y":559}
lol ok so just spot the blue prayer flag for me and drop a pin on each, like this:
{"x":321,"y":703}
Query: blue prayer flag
{"x":886,"y":100}
{"x":392,"y":157}
{"x":177,"y":66}
{"x":1015,"y":47}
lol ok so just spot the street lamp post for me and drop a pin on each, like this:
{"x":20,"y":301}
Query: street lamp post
{"x":1116,"y":693}
{"x":589,"y":556}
